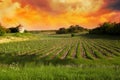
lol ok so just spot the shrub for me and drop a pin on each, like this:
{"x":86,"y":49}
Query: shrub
{"x":72,"y":35}
{"x":2,"y":31}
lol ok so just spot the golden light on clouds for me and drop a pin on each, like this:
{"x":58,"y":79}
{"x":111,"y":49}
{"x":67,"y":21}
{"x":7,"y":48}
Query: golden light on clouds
{"x":52,"y":14}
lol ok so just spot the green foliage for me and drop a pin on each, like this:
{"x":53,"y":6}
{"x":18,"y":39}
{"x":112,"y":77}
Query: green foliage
{"x":61,"y":58}
{"x":2,"y":31}
{"x":13,"y":30}
{"x":107,"y":28}
{"x":62,"y":31}
{"x":71,"y":29}
{"x":72,"y":35}
{"x":50,"y":72}
{"x":42,"y":48}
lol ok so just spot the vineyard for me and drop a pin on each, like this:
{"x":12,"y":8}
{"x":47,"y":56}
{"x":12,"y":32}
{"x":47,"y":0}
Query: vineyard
{"x":62,"y":50}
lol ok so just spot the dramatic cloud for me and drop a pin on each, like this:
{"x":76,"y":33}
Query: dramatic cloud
{"x":114,"y":5}
{"x":58,"y":6}
{"x":52,"y":14}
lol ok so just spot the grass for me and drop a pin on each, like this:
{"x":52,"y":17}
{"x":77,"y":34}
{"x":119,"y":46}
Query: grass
{"x":40,"y":58}
{"x":50,"y":72}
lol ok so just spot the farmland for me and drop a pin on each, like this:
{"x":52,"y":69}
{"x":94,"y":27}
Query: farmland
{"x":61,"y":57}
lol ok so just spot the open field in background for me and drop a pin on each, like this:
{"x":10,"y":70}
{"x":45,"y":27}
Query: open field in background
{"x":15,"y":37}
{"x":61,"y":57}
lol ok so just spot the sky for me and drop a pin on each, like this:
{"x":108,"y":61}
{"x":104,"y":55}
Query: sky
{"x":53,"y":14}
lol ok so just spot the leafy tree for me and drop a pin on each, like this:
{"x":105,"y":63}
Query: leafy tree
{"x":61,"y":31}
{"x":107,"y":28}
{"x":71,"y":29}
{"x":13,"y":30}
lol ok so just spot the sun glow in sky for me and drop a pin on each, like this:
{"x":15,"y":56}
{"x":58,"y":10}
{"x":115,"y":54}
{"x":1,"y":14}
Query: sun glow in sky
{"x":53,"y":14}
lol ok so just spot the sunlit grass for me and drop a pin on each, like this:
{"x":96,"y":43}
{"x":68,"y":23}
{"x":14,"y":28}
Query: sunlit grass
{"x":60,"y":57}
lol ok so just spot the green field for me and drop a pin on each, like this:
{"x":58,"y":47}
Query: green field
{"x":61,"y":57}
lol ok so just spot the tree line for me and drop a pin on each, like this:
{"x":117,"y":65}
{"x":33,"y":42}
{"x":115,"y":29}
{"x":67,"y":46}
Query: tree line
{"x":107,"y":28}
{"x":71,"y":29}
{"x":4,"y":30}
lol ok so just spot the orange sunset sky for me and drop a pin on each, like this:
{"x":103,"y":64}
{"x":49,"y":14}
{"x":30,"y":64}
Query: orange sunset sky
{"x":53,"y":14}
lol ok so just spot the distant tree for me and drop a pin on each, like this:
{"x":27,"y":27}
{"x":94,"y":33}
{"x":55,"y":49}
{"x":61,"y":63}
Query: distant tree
{"x":2,"y":30}
{"x":107,"y":28}
{"x":7,"y":30}
{"x":13,"y":30}
{"x":71,"y":29}
{"x":26,"y":31}
{"x":16,"y":29}
{"x":61,"y":31}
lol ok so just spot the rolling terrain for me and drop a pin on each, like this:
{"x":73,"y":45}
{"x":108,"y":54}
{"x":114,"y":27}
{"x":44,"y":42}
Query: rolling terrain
{"x":94,"y":55}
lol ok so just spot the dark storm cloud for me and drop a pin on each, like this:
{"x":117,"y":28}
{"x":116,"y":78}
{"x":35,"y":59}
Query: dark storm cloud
{"x":113,"y":5}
